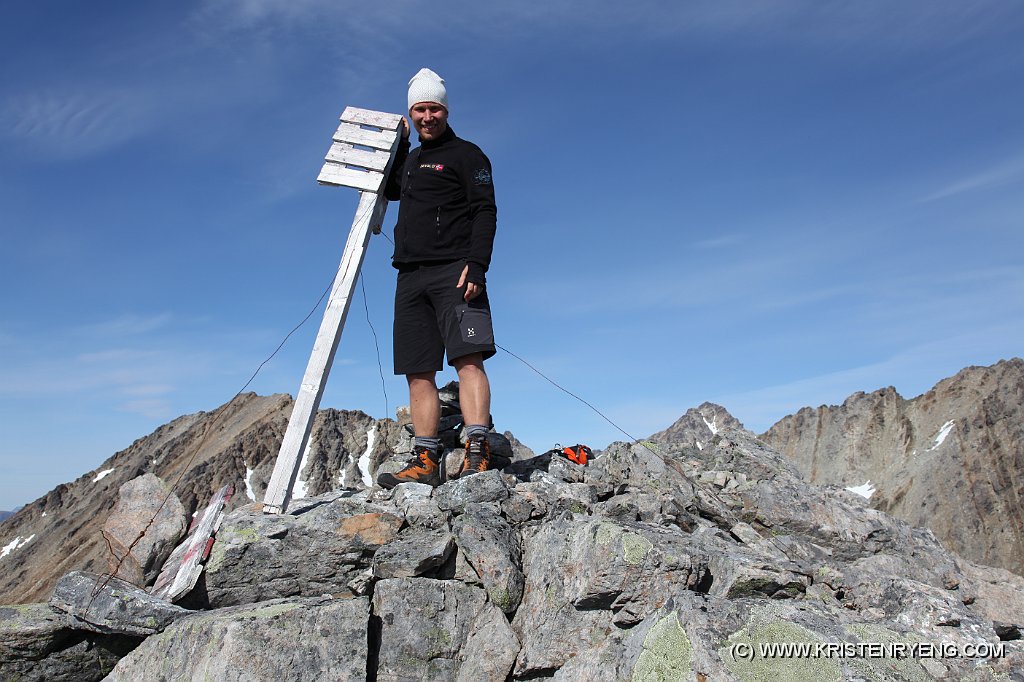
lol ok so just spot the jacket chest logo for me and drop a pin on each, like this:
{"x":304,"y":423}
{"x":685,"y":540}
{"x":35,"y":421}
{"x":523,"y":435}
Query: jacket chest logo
{"x":433,"y":166}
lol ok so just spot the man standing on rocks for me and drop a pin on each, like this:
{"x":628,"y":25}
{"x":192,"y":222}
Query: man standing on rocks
{"x":443,"y":240}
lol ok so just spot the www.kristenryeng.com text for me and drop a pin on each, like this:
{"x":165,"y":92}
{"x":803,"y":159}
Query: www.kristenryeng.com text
{"x":746,"y":651}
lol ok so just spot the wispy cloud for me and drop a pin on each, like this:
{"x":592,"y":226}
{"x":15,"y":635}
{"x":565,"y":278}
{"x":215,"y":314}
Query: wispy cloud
{"x":51,"y":369}
{"x":148,"y":389}
{"x":70,"y":124}
{"x":125,"y":325}
{"x":153,"y":408}
{"x":819,"y":22}
{"x":719,"y":242}
{"x":1000,"y":174}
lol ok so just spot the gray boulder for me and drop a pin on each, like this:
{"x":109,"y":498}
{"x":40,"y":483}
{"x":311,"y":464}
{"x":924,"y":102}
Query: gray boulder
{"x":492,"y":548}
{"x":143,"y":503}
{"x":440,"y":630}
{"x":319,"y":549}
{"x":36,"y":644}
{"x":415,"y":502}
{"x":455,"y":496}
{"x":416,"y":551}
{"x":286,"y":639}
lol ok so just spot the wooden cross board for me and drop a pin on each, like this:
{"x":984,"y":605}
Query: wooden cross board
{"x":181,"y":570}
{"x":360,"y":157}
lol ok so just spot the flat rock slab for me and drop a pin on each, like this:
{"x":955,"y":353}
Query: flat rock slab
{"x":415,"y":552}
{"x":30,"y":630}
{"x":36,"y":644}
{"x":111,"y":606}
{"x":258,"y":557}
{"x":440,"y":630}
{"x":283,"y":640}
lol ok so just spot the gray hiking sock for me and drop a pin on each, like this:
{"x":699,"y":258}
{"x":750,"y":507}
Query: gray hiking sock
{"x":476,"y":431}
{"x":427,"y":442}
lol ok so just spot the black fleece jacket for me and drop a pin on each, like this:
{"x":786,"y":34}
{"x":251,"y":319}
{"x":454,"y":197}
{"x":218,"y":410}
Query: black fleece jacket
{"x":447,"y":208}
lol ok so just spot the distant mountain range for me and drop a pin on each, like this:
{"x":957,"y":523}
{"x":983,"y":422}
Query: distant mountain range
{"x":5,"y":514}
{"x":951,"y":460}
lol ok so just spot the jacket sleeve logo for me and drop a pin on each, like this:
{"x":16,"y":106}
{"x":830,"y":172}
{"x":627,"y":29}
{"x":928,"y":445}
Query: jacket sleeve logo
{"x":482,"y":177}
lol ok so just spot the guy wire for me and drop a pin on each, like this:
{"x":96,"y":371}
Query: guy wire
{"x":671,"y":463}
{"x":380,"y":367}
{"x":188,"y":464}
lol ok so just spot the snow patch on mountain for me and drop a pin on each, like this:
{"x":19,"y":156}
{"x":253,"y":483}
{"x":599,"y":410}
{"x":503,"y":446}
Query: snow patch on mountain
{"x":301,"y":490}
{"x":14,"y":544}
{"x":364,"y":459}
{"x":865,"y":490}
{"x":943,"y":433}
{"x":249,"y":492}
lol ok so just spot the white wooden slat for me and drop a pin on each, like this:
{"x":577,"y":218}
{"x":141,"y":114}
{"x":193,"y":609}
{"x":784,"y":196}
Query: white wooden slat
{"x":343,"y":153}
{"x":371,"y":118}
{"x":353,"y":134}
{"x":336,"y":174}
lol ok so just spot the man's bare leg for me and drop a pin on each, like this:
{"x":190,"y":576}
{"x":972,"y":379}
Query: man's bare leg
{"x":425,"y":409}
{"x":424,"y":404}
{"x":474,"y":389}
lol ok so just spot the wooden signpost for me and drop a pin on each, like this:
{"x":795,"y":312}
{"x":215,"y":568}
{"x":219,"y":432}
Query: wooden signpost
{"x":361,"y":157}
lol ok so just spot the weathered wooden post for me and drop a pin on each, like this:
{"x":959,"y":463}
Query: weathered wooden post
{"x":361,"y":157}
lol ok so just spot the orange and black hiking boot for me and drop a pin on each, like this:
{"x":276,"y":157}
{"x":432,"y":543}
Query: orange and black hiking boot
{"x":422,"y":468}
{"x":478,"y":457}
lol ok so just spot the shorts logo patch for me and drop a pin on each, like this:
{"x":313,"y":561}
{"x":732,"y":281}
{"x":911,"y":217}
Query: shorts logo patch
{"x":470,"y":332}
{"x":482,"y":177}
{"x":433,"y":166}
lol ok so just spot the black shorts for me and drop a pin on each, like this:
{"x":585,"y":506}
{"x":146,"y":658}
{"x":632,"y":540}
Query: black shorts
{"x":432,"y":317}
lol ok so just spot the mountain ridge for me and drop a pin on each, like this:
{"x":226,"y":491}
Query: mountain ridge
{"x":949,"y":459}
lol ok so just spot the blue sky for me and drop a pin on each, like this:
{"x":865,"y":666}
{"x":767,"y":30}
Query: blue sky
{"x":766,"y":205}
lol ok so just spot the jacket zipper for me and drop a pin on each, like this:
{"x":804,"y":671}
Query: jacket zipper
{"x":438,"y":222}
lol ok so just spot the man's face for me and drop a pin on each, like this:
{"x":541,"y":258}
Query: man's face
{"x":430,"y":119}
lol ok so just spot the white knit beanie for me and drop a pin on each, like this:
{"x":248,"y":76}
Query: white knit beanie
{"x":427,"y":86}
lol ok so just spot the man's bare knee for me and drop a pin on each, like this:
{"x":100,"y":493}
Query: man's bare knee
{"x":420,"y":380}
{"x":469,"y":363}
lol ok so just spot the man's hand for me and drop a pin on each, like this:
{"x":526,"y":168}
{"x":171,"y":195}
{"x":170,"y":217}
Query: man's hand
{"x":472,"y":290}
{"x":405,"y":128}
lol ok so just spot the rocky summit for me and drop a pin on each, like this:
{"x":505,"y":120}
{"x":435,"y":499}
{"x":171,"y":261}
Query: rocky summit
{"x":951,"y":460}
{"x":659,"y":560}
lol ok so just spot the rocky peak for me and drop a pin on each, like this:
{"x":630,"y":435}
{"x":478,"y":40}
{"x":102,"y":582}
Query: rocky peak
{"x":950,"y":459}
{"x":697,"y":426}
